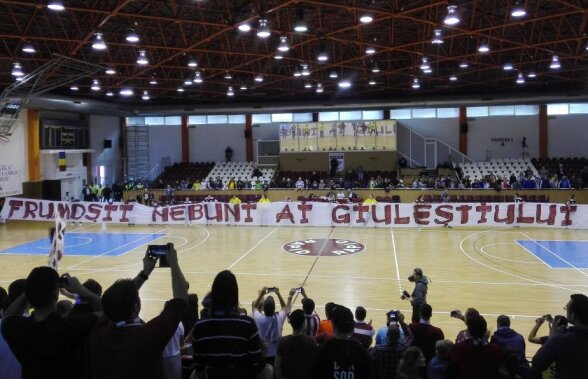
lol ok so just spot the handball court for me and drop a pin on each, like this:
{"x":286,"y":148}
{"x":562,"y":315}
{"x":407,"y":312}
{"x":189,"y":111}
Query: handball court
{"x":520,"y":272}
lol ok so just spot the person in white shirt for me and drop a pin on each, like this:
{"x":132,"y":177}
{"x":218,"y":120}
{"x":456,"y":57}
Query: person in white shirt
{"x":270,"y":322}
{"x":171,"y":356}
{"x":341,"y":196}
{"x":299,"y":184}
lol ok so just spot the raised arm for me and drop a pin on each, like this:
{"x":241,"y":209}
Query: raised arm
{"x":256,"y":305}
{"x":143,"y":275}
{"x":533,"y":334}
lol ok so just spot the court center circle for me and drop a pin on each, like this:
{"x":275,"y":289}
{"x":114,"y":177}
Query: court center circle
{"x":324,"y":247}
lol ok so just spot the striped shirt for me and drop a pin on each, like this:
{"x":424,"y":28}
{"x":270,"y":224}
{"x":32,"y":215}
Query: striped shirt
{"x":311,"y":324}
{"x":227,"y":345}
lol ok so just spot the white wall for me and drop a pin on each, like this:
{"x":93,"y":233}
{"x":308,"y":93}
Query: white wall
{"x":208,"y":142}
{"x":568,"y":136}
{"x":165,"y":141}
{"x":106,"y":128}
{"x":71,"y":179}
{"x":444,"y":129}
{"x":483,"y":129}
{"x":14,"y":152}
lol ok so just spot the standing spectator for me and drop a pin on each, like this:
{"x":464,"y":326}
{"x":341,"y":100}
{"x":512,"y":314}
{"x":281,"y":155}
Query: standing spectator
{"x":226,"y":344}
{"x":9,"y":365}
{"x":311,"y":318}
{"x":341,"y":356}
{"x":363,"y":332}
{"x":419,"y":294}
{"x":464,"y":334}
{"x":425,"y":334}
{"x":47,"y":344}
{"x":296,"y":351}
{"x":270,"y":323}
{"x":395,"y":318}
{"x":334,"y":164}
{"x":568,"y":347}
{"x":385,"y":358}
{"x":475,"y":358}
{"x":122,"y":345}
{"x":228,"y":153}
{"x":437,"y":366}
{"x":411,"y":364}
{"x":513,"y":346}
{"x":325,"y":329}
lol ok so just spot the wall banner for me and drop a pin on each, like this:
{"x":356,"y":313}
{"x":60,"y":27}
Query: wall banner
{"x":381,"y":215}
{"x":10,"y":180}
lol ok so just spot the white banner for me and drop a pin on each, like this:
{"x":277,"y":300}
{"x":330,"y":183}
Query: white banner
{"x":307,"y":214}
{"x":10,"y":182}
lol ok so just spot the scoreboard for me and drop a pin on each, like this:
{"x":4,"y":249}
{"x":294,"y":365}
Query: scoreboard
{"x":64,"y":134}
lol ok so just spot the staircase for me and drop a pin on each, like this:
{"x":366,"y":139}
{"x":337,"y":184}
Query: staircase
{"x":137,"y":152}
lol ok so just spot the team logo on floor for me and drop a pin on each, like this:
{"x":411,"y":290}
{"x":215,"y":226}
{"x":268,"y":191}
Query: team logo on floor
{"x":324,"y":247}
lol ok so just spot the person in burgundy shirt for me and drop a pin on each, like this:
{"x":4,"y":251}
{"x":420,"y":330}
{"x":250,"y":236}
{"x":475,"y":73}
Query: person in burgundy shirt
{"x":475,"y":357}
{"x":123,"y":346}
{"x":425,"y":334}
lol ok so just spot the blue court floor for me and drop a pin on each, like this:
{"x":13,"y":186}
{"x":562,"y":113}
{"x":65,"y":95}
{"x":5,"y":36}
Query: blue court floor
{"x":559,"y":254}
{"x":90,"y":244}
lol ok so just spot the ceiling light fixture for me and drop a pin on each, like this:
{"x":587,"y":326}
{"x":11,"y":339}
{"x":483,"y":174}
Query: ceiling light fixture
{"x":344,"y":83}
{"x":437,"y":37}
{"x":74,"y":88}
{"x":127,"y":92}
{"x":305,"y":70}
{"x":98,"y":42}
{"x":366,"y":18}
{"x":452,"y":17}
{"x":29,"y":48}
{"x":425,"y":63}
{"x":531,"y":74}
{"x":109,"y":93}
{"x":244,"y":27}
{"x":180,"y":89}
{"x":258,"y":78}
{"x":297,"y":73}
{"x":56,"y":5}
{"x":484,"y":47}
{"x":307,"y":85}
{"x":464,"y":64}
{"x":95,"y":85}
{"x":555,"y":63}
{"x":428,"y":70}
{"x":508,"y":66}
{"x":518,"y":11}
{"x":142,"y":58}
{"x":243,"y":87}
{"x":283,"y":45}
{"x":370,"y":50}
{"x":333,"y":75}
{"x":520,"y":78}
{"x":145,"y":95}
{"x":198,"y":77}
{"x":300,"y":26}
{"x":452,"y":77}
{"x":322,"y":56}
{"x":319,"y":88}
{"x":192,"y":63}
{"x":230,"y":91}
{"x":132,"y":36}
{"x":153,"y":80}
{"x":17,"y":69}
{"x":372,"y":82}
{"x":228,"y":76}
{"x":278,"y":57}
{"x":110,"y":70}
{"x":375,"y":67}
{"x":263,"y":31}
{"x":415,"y":83}
{"x":188,"y":81}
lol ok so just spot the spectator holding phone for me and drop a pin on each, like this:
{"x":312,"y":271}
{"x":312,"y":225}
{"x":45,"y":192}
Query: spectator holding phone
{"x":123,"y":345}
{"x":395,"y":318}
{"x":270,"y":323}
{"x":46,"y":344}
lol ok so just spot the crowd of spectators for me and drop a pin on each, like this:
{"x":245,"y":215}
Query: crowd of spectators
{"x":102,"y":336}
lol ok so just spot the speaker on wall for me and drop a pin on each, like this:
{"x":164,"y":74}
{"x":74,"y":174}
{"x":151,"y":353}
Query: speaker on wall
{"x":247,"y":134}
{"x":315,"y":117}
{"x":107,"y":143}
{"x":463,"y":128}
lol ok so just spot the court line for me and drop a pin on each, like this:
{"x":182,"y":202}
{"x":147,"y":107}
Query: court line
{"x":396,"y":260}
{"x":315,"y":260}
{"x":533,"y":255}
{"x":555,"y":255}
{"x":498,"y":270}
{"x":250,"y":250}
{"x":504,"y":259}
{"x":111,"y":250}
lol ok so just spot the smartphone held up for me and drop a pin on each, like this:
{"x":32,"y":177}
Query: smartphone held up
{"x":159,"y":252}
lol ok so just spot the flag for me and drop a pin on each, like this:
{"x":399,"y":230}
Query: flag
{"x":62,"y":162}
{"x":57,"y":238}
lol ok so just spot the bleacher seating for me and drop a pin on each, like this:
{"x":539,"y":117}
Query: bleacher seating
{"x":238,"y":170}
{"x":184,"y":170}
{"x":499,"y":167}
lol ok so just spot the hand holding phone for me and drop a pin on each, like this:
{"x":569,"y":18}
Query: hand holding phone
{"x":160,"y":253}
{"x":298,"y":290}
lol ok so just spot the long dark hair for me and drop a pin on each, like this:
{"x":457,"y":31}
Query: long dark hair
{"x":225,"y":292}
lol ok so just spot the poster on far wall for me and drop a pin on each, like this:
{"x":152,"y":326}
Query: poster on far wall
{"x":10,"y":180}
